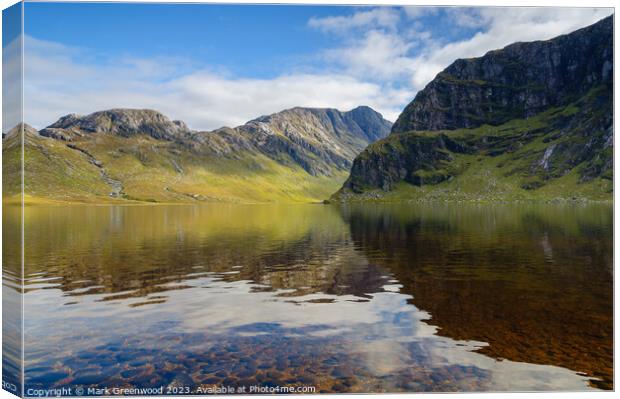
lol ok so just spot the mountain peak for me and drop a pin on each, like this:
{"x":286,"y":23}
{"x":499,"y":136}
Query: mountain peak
{"x":363,"y":108}
{"x":518,"y":81}
{"x":122,"y":121}
{"x":363,"y":121}
{"x":317,"y":138}
{"x":17,"y":129}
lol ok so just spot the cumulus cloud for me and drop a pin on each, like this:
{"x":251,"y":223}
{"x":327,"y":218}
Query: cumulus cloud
{"x":414,"y":12}
{"x":234,"y":101}
{"x":389,"y":52}
{"x":378,"y":56}
{"x":58,"y":81}
{"x":386,"y":18}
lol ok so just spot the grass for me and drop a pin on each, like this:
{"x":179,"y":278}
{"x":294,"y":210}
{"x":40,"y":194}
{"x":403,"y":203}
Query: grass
{"x":498,"y":163}
{"x":153,"y":171}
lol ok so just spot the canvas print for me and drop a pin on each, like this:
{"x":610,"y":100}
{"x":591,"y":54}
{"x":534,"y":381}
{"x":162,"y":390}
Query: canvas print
{"x":282,"y":199}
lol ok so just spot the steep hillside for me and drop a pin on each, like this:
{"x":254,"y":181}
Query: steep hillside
{"x":515,"y":82}
{"x":530,"y":121}
{"x":124,"y":155}
{"x":316,"y":139}
{"x":54,"y":172}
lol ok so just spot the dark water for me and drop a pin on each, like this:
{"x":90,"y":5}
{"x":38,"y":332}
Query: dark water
{"x":372,"y":298}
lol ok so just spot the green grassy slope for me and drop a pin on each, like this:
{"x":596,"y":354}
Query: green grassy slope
{"x":494,"y":163}
{"x":53,"y":172}
{"x":150,"y":170}
{"x":140,"y":155}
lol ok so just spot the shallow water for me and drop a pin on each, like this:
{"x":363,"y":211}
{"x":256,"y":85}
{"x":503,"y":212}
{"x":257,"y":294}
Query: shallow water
{"x":367,"y":298}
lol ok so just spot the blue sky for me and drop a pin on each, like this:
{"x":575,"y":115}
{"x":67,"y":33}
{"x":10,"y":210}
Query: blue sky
{"x":11,"y":67}
{"x":12,"y":24}
{"x":251,"y":40}
{"x":216,"y":65}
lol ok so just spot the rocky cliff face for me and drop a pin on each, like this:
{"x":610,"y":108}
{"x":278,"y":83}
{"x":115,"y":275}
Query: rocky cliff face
{"x":316,"y":139}
{"x":518,"y":81}
{"x":533,"y":120}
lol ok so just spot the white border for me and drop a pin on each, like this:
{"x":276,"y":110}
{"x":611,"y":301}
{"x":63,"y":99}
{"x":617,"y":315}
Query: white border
{"x":476,"y":3}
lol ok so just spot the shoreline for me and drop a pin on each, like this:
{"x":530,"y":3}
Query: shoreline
{"x":46,"y":202}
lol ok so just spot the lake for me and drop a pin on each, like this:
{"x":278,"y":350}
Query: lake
{"x":356,"y":298}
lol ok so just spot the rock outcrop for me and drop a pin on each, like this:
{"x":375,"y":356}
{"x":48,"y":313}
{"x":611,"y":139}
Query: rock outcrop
{"x":318,"y":139}
{"x":518,"y":81}
{"x":533,"y":120}
{"x":123,"y":122}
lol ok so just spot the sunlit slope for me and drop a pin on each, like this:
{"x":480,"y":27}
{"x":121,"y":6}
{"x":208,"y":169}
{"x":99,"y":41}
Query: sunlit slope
{"x":546,"y":157}
{"x":53,"y":171}
{"x":149,"y":170}
{"x":11,"y":165}
{"x":132,"y":156}
{"x":152,"y":170}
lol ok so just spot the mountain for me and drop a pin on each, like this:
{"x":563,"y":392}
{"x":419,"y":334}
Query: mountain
{"x":530,"y":121}
{"x":317,"y":139}
{"x":300,"y":154}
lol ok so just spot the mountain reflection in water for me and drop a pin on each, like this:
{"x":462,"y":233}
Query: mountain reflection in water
{"x":364,"y":298}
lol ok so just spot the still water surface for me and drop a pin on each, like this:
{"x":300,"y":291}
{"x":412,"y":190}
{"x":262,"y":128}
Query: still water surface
{"x":368,"y":298}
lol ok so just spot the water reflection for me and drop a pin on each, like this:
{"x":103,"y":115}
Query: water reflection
{"x":355,"y":299}
{"x":11,"y":303}
{"x":535,"y":282}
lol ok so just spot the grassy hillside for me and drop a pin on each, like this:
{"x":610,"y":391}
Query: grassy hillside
{"x":140,"y":155}
{"x":152,"y":170}
{"x":551,"y":156}
{"x":51,"y":168}
{"x":141,"y":169}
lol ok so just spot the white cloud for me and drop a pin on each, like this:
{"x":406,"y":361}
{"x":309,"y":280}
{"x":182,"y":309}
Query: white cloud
{"x":386,"y":18}
{"x":222,"y":101}
{"x":378,"y":56}
{"x":59,"y":82}
{"x":383,"y":53}
{"x":414,"y":12}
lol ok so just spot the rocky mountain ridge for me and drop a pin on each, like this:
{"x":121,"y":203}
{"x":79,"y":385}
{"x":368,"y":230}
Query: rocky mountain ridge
{"x":518,"y":81}
{"x":530,"y":121}
{"x":298,"y":154}
{"x":123,"y":122}
{"x":315,"y":138}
